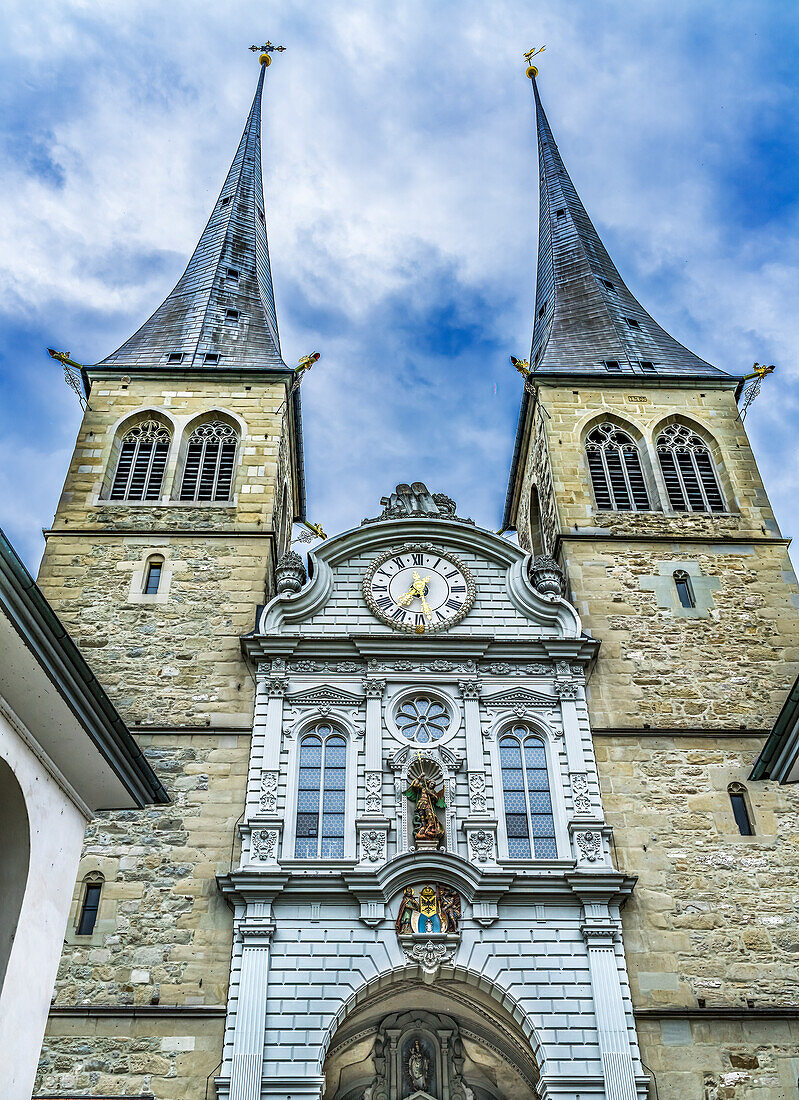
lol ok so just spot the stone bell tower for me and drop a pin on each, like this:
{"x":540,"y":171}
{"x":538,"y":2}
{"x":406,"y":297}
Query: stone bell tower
{"x":179,"y":499}
{"x":633,"y":470}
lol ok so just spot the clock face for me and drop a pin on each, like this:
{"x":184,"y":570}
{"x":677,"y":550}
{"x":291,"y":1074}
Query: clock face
{"x":418,"y":589}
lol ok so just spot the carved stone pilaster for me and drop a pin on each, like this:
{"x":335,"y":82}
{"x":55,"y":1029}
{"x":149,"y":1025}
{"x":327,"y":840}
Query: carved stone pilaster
{"x":470,"y":689}
{"x":268,"y":796}
{"x":566,"y":689}
{"x":478,"y":801}
{"x":581,"y":796}
{"x":373,"y":796}
{"x":277,"y":685}
{"x":374,"y":689}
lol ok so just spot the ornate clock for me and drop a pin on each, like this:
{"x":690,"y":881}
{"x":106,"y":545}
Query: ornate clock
{"x":419,"y":589}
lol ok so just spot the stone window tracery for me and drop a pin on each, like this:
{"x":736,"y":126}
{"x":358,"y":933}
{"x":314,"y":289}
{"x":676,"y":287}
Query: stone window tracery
{"x":142,"y":461}
{"x":422,"y":719}
{"x":688,"y":471}
{"x":616,"y":472}
{"x":210,"y":462}
{"x":321,"y":794}
{"x":529,"y":820}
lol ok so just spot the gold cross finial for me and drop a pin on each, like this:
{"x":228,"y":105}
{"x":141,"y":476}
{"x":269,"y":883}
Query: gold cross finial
{"x":265,"y":50}
{"x":528,"y":57}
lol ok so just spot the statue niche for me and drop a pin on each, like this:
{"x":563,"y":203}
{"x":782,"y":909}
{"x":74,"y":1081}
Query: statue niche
{"x":426,"y":793}
{"x":418,"y":1055}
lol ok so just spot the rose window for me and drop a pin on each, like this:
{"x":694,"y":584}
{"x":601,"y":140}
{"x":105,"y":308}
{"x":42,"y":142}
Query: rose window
{"x":422,"y":719}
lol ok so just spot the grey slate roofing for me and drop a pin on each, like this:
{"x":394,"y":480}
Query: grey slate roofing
{"x":223,"y":303}
{"x":584,"y":313}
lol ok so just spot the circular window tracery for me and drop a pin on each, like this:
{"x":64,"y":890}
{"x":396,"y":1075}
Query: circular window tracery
{"x":422,"y":719}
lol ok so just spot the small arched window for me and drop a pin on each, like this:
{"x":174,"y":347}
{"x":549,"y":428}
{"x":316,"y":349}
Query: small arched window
{"x":210,"y":462}
{"x":740,"y":810}
{"x":685,"y":590}
{"x":616,"y":473}
{"x":321,"y":794}
{"x":142,"y":460}
{"x":153,"y":571}
{"x":688,"y":471}
{"x":90,"y":904}
{"x":528,"y":804}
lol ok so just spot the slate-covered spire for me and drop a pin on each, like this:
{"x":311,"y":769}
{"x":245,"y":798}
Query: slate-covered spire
{"x":585,"y":316}
{"x":222,"y":311}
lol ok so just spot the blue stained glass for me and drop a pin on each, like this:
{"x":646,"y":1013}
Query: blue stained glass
{"x":515,"y":802}
{"x":305,"y":849}
{"x":335,"y":755}
{"x":537,"y":779}
{"x":542,"y":825}
{"x":310,"y":751}
{"x":534,"y":755}
{"x":513,"y":779}
{"x":540,"y":802}
{"x":516,"y":825}
{"x":335,"y":779}
{"x":333,"y":802}
{"x":545,"y":848}
{"x":308,"y":800}
{"x":332,"y":825}
{"x":332,"y":849}
{"x":509,"y":753}
{"x":519,"y":849}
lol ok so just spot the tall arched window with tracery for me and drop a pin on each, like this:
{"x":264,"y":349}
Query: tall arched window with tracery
{"x":210,"y":462}
{"x":616,"y":473}
{"x":321,"y":794}
{"x":688,"y":471}
{"x":529,"y":823}
{"x":142,"y":461}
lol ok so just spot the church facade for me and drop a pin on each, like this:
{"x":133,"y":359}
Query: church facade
{"x":450,"y":818}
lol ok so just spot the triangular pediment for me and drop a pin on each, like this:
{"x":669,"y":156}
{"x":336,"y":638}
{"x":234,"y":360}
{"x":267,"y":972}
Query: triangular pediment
{"x":325,"y":696}
{"x":420,"y":1095}
{"x":518,"y":697}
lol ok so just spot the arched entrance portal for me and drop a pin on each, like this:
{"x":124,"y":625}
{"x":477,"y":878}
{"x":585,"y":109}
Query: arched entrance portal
{"x":446,"y":1040}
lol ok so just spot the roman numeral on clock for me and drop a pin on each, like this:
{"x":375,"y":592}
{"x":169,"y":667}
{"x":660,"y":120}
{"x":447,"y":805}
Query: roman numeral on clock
{"x":400,"y":564}
{"x":398,"y":614}
{"x":417,"y":559}
{"x":385,"y":602}
{"x":454,"y":604}
{"x":458,"y":588}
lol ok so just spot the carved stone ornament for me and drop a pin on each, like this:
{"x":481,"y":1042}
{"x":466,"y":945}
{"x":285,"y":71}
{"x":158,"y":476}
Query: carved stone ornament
{"x":268,"y":799}
{"x":547,"y":577}
{"x":416,"y":502}
{"x":477,"y":793}
{"x":590,"y":846}
{"x":429,"y":955}
{"x":290,"y":573}
{"x":566,"y":689}
{"x":373,"y":797}
{"x":470,"y":689}
{"x":481,"y":843}
{"x":263,"y":844}
{"x":374,"y":689}
{"x":373,"y":845}
{"x":580,"y":793}
{"x":277,"y":685}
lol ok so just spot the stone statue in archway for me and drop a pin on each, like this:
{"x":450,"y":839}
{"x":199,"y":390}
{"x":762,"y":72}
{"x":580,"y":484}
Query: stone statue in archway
{"x":427,"y":800}
{"x":418,"y":1067}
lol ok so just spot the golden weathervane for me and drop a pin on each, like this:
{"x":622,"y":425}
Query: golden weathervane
{"x":528,"y":57}
{"x":72,"y":374}
{"x":755,"y":379}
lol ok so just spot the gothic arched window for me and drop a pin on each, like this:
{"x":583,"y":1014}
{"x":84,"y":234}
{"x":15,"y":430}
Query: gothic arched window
{"x":210,"y":461}
{"x":321,"y":794}
{"x":528,"y":804}
{"x":688,"y":471}
{"x":616,"y":473}
{"x":142,"y":461}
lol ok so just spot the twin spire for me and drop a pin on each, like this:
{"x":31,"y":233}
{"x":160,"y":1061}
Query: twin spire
{"x":586,"y":320}
{"x":222,"y":311}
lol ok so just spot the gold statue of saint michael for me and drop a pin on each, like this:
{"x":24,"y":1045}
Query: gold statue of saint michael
{"x":417,"y":591}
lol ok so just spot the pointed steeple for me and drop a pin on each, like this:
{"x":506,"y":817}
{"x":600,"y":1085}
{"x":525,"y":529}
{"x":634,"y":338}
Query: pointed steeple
{"x":585,"y":316}
{"x":222,"y":310}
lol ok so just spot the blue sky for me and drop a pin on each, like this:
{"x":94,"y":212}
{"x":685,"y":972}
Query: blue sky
{"x":401,"y":179}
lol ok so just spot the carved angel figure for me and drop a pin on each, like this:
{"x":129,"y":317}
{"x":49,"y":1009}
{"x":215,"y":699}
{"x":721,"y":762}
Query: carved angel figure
{"x":427,"y":799}
{"x":418,"y":1066}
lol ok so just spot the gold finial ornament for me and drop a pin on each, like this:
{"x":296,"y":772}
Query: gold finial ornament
{"x":72,"y":374}
{"x":266,"y":49}
{"x":531,"y":70}
{"x":755,"y":379}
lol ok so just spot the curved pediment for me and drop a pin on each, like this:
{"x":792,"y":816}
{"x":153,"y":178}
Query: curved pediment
{"x":506,"y":605}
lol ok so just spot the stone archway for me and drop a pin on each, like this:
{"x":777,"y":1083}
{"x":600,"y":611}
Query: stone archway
{"x":448,"y":1039}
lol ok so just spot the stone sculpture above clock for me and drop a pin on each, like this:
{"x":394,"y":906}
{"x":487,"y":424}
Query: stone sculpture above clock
{"x":418,"y":588}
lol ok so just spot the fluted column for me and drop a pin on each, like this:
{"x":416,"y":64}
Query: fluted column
{"x":614,"y":1039}
{"x":248,"y":1038}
